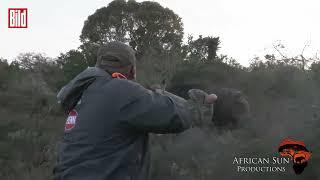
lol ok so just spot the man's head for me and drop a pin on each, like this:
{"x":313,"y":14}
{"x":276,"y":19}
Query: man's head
{"x":117,"y":57}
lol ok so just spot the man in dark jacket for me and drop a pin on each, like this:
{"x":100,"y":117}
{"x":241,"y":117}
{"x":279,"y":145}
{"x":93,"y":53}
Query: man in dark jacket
{"x":110,"y":116}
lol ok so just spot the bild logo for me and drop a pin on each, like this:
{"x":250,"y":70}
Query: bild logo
{"x":17,"y":18}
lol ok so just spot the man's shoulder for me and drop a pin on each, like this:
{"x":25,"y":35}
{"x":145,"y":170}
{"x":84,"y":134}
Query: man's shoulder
{"x":126,"y":84}
{"x":131,"y":88}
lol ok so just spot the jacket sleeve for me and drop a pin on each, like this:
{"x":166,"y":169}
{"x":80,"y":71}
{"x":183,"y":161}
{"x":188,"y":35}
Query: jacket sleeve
{"x":156,"y":112}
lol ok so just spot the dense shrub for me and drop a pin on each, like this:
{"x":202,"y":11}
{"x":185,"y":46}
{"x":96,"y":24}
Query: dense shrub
{"x":284,"y":102}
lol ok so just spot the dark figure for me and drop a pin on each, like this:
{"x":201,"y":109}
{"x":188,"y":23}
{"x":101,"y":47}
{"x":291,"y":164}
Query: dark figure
{"x":231,"y":109}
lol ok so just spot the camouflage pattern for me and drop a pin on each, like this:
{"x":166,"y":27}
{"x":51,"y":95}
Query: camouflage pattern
{"x":202,"y":112}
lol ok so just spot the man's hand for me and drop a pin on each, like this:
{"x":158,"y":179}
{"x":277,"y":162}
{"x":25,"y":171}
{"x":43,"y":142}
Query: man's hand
{"x":200,"y":96}
{"x":202,"y":106}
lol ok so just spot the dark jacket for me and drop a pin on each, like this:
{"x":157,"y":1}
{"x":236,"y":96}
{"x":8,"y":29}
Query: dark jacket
{"x":106,"y":134}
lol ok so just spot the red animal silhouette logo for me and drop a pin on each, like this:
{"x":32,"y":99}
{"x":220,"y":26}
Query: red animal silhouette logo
{"x":298,"y":153}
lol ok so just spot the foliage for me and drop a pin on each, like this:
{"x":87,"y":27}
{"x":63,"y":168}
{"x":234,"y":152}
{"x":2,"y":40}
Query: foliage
{"x":32,"y":61}
{"x":4,"y":72}
{"x":315,"y":69}
{"x":281,"y":106}
{"x":203,"y":48}
{"x":71,"y":64}
{"x":154,"y":68}
{"x":142,"y":25}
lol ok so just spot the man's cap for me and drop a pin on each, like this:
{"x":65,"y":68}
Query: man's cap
{"x":115,"y":55}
